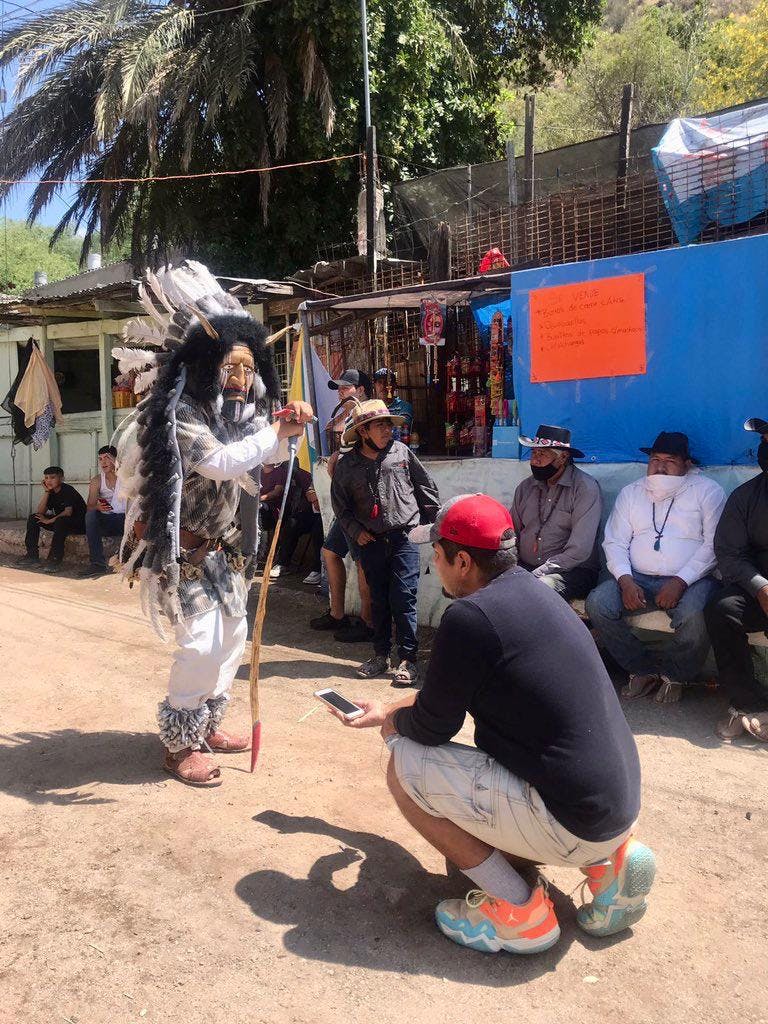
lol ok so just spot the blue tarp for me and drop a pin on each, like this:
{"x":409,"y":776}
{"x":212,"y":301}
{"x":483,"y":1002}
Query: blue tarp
{"x":713,"y":169}
{"x":707,"y":350}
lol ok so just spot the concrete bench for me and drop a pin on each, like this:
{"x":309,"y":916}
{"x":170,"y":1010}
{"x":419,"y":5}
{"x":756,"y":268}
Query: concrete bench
{"x":75,"y":549}
{"x":657,"y":621}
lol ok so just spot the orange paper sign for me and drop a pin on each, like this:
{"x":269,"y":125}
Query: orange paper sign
{"x":594,"y":329}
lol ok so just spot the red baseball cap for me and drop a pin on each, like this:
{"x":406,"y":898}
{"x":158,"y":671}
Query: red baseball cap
{"x":476,"y":520}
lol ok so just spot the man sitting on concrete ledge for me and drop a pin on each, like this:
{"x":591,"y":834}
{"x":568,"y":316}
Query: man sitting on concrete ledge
{"x":106,"y":511}
{"x":741,"y":547}
{"x":554,"y":777}
{"x":658,"y":547}
{"x":61,"y":510}
{"x":556,"y":513}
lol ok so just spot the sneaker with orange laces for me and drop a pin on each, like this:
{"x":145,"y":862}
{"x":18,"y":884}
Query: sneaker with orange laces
{"x":619,"y":886}
{"x":488,"y":924}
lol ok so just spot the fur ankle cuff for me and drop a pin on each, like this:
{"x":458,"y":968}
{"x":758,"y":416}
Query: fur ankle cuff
{"x":181,"y":727}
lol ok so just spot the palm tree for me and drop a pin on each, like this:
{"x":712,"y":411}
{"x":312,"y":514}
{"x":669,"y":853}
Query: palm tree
{"x":116,"y":89}
{"x":128,"y":88}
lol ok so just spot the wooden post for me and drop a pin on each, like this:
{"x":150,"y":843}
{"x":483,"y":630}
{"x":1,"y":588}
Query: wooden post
{"x":530,"y":121}
{"x":105,"y":374}
{"x":625,"y":135}
{"x":512,"y":190}
{"x":470,"y":206}
{"x":625,"y":129}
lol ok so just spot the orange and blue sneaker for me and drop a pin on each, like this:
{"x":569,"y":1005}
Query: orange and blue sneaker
{"x":488,"y":924}
{"x":619,"y":886}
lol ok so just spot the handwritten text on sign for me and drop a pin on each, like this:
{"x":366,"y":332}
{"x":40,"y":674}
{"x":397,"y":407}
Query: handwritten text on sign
{"x":593,"y":329}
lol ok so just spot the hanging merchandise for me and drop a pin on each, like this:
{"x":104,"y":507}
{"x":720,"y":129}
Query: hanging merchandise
{"x":432,"y":333}
{"x":497,"y":366}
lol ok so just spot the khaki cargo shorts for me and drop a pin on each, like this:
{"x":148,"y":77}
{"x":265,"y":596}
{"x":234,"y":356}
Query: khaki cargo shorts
{"x":471,"y":789}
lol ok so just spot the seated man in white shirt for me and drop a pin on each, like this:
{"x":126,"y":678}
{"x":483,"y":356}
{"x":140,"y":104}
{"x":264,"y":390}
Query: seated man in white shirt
{"x":659,"y":551}
{"x":106,"y":511}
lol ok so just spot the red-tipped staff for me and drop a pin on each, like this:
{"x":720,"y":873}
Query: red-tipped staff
{"x":261,"y":607}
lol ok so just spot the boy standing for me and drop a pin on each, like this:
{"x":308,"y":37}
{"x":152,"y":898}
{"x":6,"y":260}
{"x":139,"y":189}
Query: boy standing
{"x":379,"y":492}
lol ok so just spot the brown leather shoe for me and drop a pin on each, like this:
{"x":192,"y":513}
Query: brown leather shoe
{"x":192,"y":767}
{"x":226,"y":743}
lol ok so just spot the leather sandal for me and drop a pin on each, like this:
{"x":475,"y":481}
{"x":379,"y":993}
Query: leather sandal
{"x":669,"y":692}
{"x":730,"y":728}
{"x":193,"y":768}
{"x":226,"y":742}
{"x":639,"y":686}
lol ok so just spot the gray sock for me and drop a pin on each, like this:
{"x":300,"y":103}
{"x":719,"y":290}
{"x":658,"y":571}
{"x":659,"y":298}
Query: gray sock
{"x":497,"y":877}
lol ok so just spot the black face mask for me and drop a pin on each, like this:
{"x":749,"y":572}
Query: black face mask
{"x":544,"y":472}
{"x":762,"y":455}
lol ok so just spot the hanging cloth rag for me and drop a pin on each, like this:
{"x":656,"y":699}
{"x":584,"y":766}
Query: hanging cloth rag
{"x":21,"y":433}
{"x":37,"y":390}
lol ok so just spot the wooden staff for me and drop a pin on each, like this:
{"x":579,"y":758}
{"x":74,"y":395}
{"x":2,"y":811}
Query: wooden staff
{"x":261,"y":609}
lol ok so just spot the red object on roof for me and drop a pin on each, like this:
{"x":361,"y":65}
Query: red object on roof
{"x":494,"y":259}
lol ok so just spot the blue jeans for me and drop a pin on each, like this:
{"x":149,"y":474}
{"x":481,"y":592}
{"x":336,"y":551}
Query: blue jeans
{"x":391,"y":566}
{"x":98,"y":525}
{"x":683,"y":656}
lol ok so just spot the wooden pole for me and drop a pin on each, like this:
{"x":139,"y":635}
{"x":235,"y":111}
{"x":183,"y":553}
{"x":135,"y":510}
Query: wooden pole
{"x":528,"y":169}
{"x":512,"y":191}
{"x":625,"y":136}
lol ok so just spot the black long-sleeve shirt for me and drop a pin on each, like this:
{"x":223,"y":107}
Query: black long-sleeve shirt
{"x":395,"y":485}
{"x":741,"y":537}
{"x":517,"y":658}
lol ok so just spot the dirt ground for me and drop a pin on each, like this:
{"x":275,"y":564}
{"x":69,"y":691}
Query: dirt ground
{"x":298,"y":894}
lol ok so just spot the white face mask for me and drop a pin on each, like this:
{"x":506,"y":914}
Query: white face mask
{"x":660,"y":486}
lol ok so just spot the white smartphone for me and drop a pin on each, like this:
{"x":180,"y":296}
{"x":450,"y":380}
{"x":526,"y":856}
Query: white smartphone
{"x":339,"y":703}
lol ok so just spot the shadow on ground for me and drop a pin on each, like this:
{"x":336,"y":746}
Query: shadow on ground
{"x":64,"y":767}
{"x":385,"y":921}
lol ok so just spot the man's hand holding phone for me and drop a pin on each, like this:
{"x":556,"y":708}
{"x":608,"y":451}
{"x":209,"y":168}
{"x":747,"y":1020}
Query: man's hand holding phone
{"x":373,"y":715}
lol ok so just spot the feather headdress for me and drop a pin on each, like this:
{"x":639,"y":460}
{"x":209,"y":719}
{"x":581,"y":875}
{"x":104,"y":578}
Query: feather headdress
{"x":177,"y":349}
{"x":175,"y":299}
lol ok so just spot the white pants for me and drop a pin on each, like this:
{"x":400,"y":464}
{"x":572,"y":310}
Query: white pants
{"x":210,"y":646}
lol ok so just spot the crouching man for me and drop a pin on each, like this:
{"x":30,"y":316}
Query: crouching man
{"x":554,"y":777}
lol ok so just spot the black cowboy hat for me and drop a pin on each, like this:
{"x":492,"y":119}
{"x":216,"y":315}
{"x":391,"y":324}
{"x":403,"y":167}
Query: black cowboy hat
{"x":553,"y":438}
{"x":671,"y":442}
{"x":759,"y":426}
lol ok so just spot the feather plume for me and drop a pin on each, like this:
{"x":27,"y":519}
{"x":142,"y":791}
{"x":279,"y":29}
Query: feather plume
{"x":144,"y":381}
{"x":133,"y":358}
{"x":139,"y":331}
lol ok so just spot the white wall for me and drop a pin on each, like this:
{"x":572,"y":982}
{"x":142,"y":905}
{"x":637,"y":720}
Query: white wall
{"x":73,"y":444}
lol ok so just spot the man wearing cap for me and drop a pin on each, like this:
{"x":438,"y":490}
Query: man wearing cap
{"x":741,"y":548}
{"x":379,"y":492}
{"x":554,"y":776}
{"x":385,"y":388}
{"x":556,"y":513}
{"x":659,"y":551}
{"x":353,"y":387}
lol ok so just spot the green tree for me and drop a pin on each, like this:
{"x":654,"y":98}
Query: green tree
{"x":736,"y":68}
{"x":661,"y":51}
{"x":27,"y":249}
{"x":129,"y":88}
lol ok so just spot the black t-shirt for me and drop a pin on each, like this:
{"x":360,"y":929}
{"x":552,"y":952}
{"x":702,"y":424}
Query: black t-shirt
{"x":518,"y":659}
{"x":67,"y":497}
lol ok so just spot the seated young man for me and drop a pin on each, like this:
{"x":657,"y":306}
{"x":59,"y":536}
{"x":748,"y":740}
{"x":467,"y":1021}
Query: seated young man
{"x":554,"y":777}
{"x":61,"y":510}
{"x":106,"y":511}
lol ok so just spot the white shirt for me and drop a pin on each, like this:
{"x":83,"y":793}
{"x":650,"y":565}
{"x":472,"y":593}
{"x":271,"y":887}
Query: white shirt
{"x":234,"y":460}
{"x":685,"y":547}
